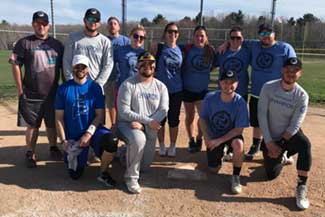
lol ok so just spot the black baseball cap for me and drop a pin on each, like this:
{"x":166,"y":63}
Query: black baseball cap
{"x":231,"y":75}
{"x":93,"y":13}
{"x":41,"y":16}
{"x":265,"y":27}
{"x":293,"y":61}
{"x":146,"y":56}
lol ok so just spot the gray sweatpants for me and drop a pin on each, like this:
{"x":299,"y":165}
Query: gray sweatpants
{"x":140,"y":148}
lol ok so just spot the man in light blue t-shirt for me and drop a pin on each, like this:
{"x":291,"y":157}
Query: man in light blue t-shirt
{"x":223,"y":118}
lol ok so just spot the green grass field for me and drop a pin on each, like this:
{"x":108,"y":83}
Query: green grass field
{"x":313,"y":78}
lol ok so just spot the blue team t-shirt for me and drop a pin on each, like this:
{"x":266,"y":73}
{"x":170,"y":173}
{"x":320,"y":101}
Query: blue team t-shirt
{"x":79,"y":103}
{"x":267,"y":63}
{"x":125,"y":59}
{"x":169,"y":68}
{"x":196,"y":73}
{"x":119,"y":41}
{"x":223,"y":116}
{"x":237,"y":61}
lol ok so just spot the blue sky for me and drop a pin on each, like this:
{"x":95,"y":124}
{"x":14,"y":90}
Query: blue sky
{"x":72,"y":11}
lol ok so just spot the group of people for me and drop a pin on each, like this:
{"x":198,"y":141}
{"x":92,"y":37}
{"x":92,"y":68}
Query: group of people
{"x":143,"y":90}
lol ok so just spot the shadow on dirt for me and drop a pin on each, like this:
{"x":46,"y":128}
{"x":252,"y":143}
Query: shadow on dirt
{"x":53,"y":176}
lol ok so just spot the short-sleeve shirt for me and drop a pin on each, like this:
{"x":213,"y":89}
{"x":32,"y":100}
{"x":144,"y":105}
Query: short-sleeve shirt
{"x":221,"y":116}
{"x":79,"y":102}
{"x":42,"y":60}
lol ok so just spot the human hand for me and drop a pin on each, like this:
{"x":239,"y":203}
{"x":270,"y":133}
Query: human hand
{"x":85,"y":139}
{"x":273,"y":150}
{"x":154,"y":125}
{"x":136,"y":125}
{"x":223,"y":47}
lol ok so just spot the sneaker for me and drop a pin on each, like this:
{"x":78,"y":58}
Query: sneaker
{"x":235,"y":184}
{"x":252,"y":152}
{"x":228,"y":157}
{"x":192,"y":146}
{"x":30,"y":159}
{"x":162,"y":150}
{"x":301,"y":197}
{"x":172,"y":151}
{"x":106,"y":179}
{"x":133,"y":186}
{"x":55,"y":152}
{"x":198,"y":145}
{"x":287,"y":160}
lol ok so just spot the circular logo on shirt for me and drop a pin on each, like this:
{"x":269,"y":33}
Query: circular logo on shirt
{"x":233,"y":64}
{"x":172,"y":63}
{"x":264,"y":60}
{"x":221,"y":121}
{"x":198,"y":64}
{"x":132,"y":61}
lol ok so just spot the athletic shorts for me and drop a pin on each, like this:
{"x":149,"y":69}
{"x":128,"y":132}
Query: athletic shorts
{"x":110,"y":89}
{"x":175,"y":102}
{"x":215,"y":156}
{"x":189,"y":96}
{"x":253,"y":101}
{"x":31,"y":111}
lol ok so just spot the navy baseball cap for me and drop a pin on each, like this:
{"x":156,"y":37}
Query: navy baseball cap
{"x":41,"y":16}
{"x":92,"y":15}
{"x":265,"y":27}
{"x":293,"y":61}
{"x":231,"y":75}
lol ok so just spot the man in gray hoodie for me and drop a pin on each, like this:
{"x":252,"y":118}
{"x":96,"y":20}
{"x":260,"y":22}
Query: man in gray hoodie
{"x":92,"y":44}
{"x":142,"y":104}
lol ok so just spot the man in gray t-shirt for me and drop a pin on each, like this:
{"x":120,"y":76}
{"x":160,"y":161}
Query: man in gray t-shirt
{"x":142,"y":103}
{"x":281,"y":110}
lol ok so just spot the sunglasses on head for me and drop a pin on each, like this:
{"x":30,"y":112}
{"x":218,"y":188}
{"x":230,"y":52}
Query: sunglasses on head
{"x":235,"y":38}
{"x":265,"y":34}
{"x":171,"y":31}
{"x":141,"y":37}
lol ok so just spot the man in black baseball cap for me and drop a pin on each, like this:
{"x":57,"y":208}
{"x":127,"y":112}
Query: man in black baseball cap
{"x":265,"y":27}
{"x":41,"y":17}
{"x":92,"y":15}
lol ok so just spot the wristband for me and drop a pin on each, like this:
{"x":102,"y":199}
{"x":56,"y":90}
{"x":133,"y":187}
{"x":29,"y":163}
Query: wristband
{"x":91,"y":129}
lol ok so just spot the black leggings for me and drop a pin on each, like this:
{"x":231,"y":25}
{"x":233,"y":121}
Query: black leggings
{"x":298,"y":143}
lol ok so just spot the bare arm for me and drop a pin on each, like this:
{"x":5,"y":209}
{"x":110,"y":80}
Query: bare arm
{"x":16,"y":72}
{"x":59,"y":123}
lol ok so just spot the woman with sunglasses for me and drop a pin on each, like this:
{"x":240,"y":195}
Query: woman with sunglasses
{"x":199,"y":59}
{"x":169,"y":62}
{"x":125,"y":57}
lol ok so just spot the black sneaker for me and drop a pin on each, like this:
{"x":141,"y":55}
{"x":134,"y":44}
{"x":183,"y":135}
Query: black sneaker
{"x":106,"y":179}
{"x":252,"y":152}
{"x":55,"y":153}
{"x":29,"y":160}
{"x":192,"y":146}
{"x":198,"y":145}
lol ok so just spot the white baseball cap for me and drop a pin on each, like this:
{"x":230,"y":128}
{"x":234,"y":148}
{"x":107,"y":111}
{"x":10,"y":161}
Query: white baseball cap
{"x":80,"y":59}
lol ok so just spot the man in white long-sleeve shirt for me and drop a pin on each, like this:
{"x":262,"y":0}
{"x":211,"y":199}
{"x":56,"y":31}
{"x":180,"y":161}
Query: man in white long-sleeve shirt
{"x":281,"y":110}
{"x":92,"y":44}
{"x":142,"y":104}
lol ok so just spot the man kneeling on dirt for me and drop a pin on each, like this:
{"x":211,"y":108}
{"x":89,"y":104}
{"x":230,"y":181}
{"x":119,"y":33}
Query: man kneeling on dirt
{"x":142,"y":104}
{"x":80,"y":112}
{"x":223,"y":117}
{"x":281,"y":110}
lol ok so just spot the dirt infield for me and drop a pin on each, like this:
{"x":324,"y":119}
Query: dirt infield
{"x":48,"y":191}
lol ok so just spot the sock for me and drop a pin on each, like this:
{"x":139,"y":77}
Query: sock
{"x":172,"y":145}
{"x":302,"y":180}
{"x":236,"y":171}
{"x":256,"y":141}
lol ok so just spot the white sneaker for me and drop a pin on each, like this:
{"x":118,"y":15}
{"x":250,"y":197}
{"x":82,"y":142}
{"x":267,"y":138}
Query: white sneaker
{"x":301,"y":197}
{"x":287,"y":160}
{"x":235,"y":184}
{"x":162,"y":150}
{"x":133,"y":186}
{"x":172,"y":151}
{"x":228,"y":157}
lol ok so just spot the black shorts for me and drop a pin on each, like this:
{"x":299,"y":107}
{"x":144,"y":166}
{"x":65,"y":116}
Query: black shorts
{"x":253,"y":101}
{"x":189,"y":96}
{"x":175,"y":102}
{"x":215,"y":156}
{"x":31,"y":111}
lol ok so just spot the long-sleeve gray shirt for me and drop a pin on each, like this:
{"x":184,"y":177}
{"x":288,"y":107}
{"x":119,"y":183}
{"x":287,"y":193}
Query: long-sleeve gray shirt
{"x":142,"y":102}
{"x":99,"y":51}
{"x":280,"y":110}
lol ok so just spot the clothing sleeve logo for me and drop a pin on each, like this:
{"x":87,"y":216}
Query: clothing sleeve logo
{"x":233,"y":64}
{"x":221,"y":122}
{"x":264,"y":60}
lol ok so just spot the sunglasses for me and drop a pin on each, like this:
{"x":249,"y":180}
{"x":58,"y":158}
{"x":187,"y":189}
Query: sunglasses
{"x":146,"y":63}
{"x":92,"y":19}
{"x":171,"y":31}
{"x":137,"y":37}
{"x":79,"y":68}
{"x":265,"y":34}
{"x":235,"y":38}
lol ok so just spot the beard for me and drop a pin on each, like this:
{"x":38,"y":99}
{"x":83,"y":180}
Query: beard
{"x":146,"y":74}
{"x":90,"y":30}
{"x":80,"y":76}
